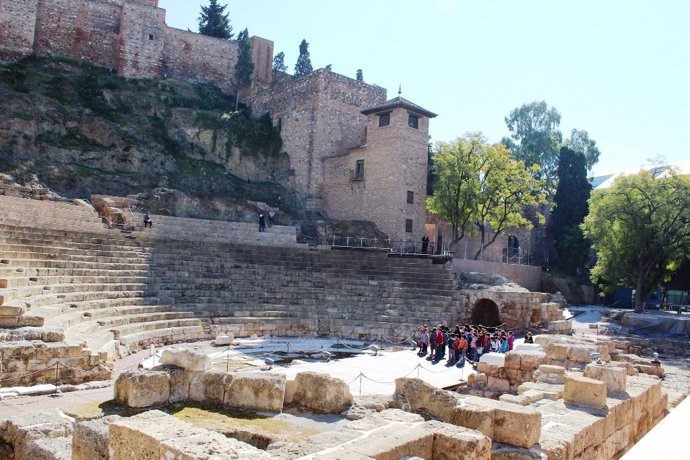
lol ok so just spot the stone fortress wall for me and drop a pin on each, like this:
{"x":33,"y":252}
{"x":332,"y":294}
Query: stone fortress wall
{"x":320,"y":115}
{"x":129,"y":36}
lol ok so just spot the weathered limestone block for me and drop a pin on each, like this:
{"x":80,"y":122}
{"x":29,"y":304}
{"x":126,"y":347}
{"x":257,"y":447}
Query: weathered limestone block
{"x":224,"y":339}
{"x":615,"y":378}
{"x":90,"y":439}
{"x":548,"y":373}
{"x":44,"y":436}
{"x":501,"y":421}
{"x":427,"y":440}
{"x":185,"y":358}
{"x":256,"y":391}
{"x":142,"y":388}
{"x":321,"y":393}
{"x":585,"y":391}
{"x":498,"y":385}
{"x":180,"y":380}
{"x":651,"y":369}
{"x":209,"y":386}
{"x":477,"y":380}
{"x":426,"y":398}
{"x":154,"y":435}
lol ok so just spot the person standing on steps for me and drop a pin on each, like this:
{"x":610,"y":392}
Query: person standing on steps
{"x":425,"y":244}
{"x":147,"y":220}
{"x":262,"y":223}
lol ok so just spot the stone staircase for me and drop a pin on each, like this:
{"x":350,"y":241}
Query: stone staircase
{"x":109,"y":293}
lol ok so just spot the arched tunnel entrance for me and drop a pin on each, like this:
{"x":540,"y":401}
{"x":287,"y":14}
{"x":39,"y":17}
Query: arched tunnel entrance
{"x":485,"y":312}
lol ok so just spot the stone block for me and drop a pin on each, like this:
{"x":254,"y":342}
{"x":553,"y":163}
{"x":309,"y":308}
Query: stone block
{"x":615,"y":378}
{"x":530,"y":360}
{"x":186,"y":359}
{"x":154,"y":435}
{"x":142,"y":388}
{"x":256,"y":391}
{"x":180,"y":380}
{"x":90,"y":439}
{"x":495,"y":359}
{"x":208,"y":386}
{"x":584,"y":391}
{"x":498,"y":385}
{"x":321,"y":393}
{"x":512,"y":360}
{"x":224,"y":339}
{"x":516,"y":425}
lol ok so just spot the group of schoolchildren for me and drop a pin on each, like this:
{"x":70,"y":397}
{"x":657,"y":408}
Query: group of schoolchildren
{"x":468,"y":341}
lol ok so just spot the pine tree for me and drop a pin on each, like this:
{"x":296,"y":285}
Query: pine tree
{"x":214,"y":21}
{"x":279,"y":64}
{"x":360,"y":75}
{"x":303,"y":65}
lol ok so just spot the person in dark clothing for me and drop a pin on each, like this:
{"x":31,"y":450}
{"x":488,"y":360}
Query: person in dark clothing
{"x":147,"y":221}
{"x":425,"y":244}
{"x":262,"y":223}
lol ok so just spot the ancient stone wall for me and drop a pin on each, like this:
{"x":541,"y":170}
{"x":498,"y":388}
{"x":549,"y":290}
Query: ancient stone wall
{"x":127,"y":35}
{"x":392,"y":188}
{"x":142,"y":37}
{"x":319,"y":115}
{"x":88,"y":30}
{"x":17,"y":28}
{"x":191,"y":56}
{"x":527,"y":276}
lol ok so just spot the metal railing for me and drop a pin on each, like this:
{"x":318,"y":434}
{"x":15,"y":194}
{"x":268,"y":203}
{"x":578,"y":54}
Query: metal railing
{"x":387,"y":245}
{"x":512,"y":256}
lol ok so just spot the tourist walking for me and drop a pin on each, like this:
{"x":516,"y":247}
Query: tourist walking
{"x":262,"y":223}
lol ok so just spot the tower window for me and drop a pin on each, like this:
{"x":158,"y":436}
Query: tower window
{"x":408,"y":225}
{"x":359,"y":170}
{"x":413,"y":121}
{"x":384,"y":119}
{"x":410,"y":197}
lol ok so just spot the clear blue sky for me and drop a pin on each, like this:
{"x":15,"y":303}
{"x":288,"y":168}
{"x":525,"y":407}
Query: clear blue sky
{"x":619,"y":69}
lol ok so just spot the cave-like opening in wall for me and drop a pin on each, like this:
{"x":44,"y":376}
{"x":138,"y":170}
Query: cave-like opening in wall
{"x":485,"y":312}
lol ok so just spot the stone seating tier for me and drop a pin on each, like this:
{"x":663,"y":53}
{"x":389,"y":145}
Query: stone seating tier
{"x":121,"y":293}
{"x":181,"y":228}
{"x":49,"y":214}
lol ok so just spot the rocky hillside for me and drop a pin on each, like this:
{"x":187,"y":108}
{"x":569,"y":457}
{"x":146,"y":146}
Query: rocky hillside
{"x":179,"y":148}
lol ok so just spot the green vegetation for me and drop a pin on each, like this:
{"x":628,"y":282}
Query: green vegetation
{"x":214,"y":22}
{"x":303,"y":65}
{"x":641,"y":231}
{"x":481,"y":190}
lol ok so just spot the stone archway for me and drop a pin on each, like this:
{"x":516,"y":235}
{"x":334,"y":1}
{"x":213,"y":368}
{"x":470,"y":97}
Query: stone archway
{"x":485,"y":312}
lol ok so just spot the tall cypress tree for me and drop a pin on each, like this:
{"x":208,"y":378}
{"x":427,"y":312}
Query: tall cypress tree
{"x":245,"y":66}
{"x":303,"y":65}
{"x":214,"y":21}
{"x":571,"y":197}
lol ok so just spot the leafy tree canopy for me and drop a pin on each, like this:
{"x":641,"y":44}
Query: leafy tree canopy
{"x":303,"y":65}
{"x":480,"y":188}
{"x":536,"y":139}
{"x":640,"y":228}
{"x":214,"y":22}
{"x":580,"y":142}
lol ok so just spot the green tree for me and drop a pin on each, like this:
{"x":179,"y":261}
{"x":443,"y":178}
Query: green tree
{"x":570,"y":201}
{"x":214,"y":22}
{"x":455,"y":169}
{"x":478,"y":188}
{"x":580,"y":142}
{"x":303,"y":65}
{"x":508,"y":193}
{"x":245,"y":65}
{"x":360,"y":75}
{"x":640,"y":228}
{"x":279,"y":67}
{"x":536,"y":139}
